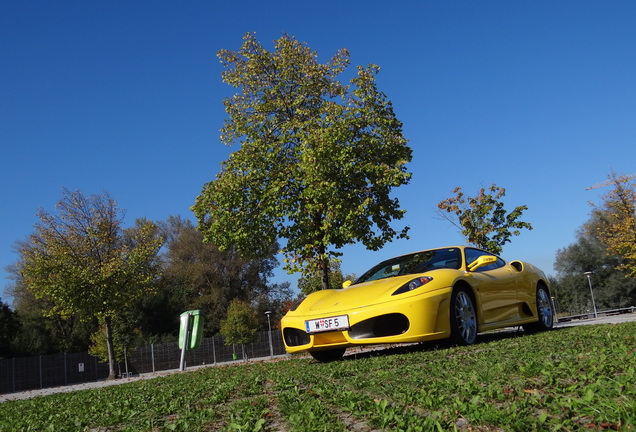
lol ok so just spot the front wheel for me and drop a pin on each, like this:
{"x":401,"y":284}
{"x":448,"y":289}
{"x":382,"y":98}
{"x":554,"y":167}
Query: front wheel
{"x":545,"y":312}
{"x":326,"y":356}
{"x":463,"y":318}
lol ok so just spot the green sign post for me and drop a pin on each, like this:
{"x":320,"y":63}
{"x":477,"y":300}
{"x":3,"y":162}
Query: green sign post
{"x":190,"y":333}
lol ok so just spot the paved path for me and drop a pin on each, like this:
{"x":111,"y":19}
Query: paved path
{"x":99,"y":384}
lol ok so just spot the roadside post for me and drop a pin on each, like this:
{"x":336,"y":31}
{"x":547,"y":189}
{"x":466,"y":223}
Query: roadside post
{"x":269,"y":326}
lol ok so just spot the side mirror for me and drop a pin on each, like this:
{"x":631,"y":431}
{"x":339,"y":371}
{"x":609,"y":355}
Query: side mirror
{"x":346,"y":283}
{"x":482,"y":261}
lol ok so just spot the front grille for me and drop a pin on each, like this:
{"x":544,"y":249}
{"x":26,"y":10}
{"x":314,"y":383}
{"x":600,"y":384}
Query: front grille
{"x":381,"y":326}
{"x":295,"y":337}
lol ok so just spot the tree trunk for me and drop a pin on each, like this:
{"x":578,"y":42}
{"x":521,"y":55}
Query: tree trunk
{"x":112,"y":373}
{"x":324,"y":273}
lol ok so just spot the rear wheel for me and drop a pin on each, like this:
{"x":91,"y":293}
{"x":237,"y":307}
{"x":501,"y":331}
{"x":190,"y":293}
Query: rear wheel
{"x":545,"y":312}
{"x":463,"y":317}
{"x":326,"y":356}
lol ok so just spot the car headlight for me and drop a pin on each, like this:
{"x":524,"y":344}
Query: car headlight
{"x":414,"y":284}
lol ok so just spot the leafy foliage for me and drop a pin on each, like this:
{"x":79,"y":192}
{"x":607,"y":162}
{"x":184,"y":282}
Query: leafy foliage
{"x":41,"y":332}
{"x":482,"y":219}
{"x":79,"y":261}
{"x":317,"y":162}
{"x":125,"y":340}
{"x":9,"y":326}
{"x":580,"y":378}
{"x":312,"y":282}
{"x":194,"y":275}
{"x":588,"y":254}
{"x":617,"y":222}
{"x":197,"y":275}
{"x":241,"y":324}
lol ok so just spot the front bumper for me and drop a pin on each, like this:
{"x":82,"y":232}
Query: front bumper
{"x":413,"y":318}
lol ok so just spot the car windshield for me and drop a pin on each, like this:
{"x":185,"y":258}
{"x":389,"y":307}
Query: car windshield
{"x":417,"y":262}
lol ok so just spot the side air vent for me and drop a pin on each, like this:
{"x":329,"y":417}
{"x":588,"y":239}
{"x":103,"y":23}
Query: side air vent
{"x":517,"y":266}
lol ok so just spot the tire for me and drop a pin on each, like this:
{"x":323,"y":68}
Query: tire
{"x":326,"y":356}
{"x":463,"y":317}
{"x":545,"y":312}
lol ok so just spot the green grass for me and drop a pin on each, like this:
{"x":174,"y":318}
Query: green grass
{"x":579,"y":378}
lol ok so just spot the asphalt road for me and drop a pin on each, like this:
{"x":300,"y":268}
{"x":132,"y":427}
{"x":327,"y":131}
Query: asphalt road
{"x":99,"y":384}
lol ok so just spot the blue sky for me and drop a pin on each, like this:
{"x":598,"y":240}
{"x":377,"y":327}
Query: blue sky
{"x":538,"y":97}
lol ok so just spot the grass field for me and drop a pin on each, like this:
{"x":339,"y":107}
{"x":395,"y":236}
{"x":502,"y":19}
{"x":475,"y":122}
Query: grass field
{"x":578,"y":378}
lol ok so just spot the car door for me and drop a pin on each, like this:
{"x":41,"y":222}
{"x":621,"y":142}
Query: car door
{"x":495,"y":287}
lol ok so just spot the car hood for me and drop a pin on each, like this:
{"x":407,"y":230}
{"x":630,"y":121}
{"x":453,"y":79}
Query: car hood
{"x":355,"y":296}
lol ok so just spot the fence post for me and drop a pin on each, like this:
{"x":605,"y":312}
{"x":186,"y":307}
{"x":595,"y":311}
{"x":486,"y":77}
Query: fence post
{"x":213,"y":350}
{"x":41,"y":384}
{"x":152,"y":356}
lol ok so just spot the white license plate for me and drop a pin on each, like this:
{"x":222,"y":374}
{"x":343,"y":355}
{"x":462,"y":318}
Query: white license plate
{"x":327,"y":324}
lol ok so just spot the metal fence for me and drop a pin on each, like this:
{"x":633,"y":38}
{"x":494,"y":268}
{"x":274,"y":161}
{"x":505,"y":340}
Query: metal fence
{"x":30,"y":373}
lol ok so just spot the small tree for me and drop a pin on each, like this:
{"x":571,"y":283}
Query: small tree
{"x":78,"y":259}
{"x":616,"y":228}
{"x":483,"y":221}
{"x":317,"y":163}
{"x":241,"y":324}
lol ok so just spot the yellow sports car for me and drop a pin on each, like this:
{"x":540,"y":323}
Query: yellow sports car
{"x":452,"y":292}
